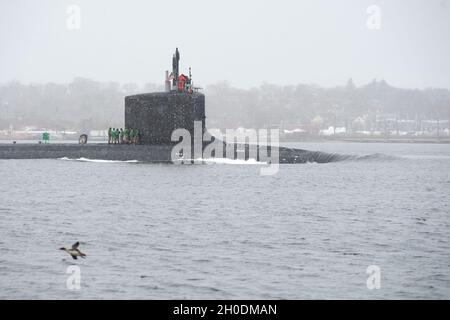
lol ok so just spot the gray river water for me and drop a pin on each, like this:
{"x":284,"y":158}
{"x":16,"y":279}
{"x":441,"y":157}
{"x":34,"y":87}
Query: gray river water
{"x":158,"y":231}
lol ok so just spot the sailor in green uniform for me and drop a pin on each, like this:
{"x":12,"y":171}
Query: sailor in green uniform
{"x":136,"y":136}
{"x":114,"y":136}
{"x":125,"y":135}
{"x":121,"y":136}
{"x":131,"y":135}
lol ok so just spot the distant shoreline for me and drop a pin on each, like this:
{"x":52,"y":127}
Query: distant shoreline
{"x":282,"y":140}
{"x":443,"y":140}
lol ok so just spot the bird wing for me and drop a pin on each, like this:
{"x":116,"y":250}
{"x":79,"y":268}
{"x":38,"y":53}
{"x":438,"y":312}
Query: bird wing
{"x":74,"y":257}
{"x":75,"y":245}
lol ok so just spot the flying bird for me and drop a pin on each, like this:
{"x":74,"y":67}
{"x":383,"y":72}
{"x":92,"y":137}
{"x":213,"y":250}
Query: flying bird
{"x":74,"y":251}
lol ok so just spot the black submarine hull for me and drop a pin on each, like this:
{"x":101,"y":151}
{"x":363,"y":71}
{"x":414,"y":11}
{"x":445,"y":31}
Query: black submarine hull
{"x":150,"y":153}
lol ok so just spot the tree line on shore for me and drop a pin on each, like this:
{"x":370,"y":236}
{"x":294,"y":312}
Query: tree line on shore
{"x":86,"y":104}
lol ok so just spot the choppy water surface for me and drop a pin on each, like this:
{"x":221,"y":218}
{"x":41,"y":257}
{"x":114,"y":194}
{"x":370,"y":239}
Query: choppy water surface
{"x":154,"y":231}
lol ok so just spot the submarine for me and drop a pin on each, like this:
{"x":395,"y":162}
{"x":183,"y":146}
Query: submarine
{"x":157,"y":116}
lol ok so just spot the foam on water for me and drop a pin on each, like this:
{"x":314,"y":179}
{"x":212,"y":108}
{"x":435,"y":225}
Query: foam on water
{"x":98,"y":160}
{"x":231,"y":161}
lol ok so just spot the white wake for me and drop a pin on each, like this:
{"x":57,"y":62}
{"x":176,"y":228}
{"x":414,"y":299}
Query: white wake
{"x":98,"y":160}
{"x":222,"y":161}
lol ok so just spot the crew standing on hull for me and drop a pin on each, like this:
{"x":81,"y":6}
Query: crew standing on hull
{"x":123,"y":136}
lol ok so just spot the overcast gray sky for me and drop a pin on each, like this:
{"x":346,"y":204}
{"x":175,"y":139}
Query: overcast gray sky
{"x":244,"y":42}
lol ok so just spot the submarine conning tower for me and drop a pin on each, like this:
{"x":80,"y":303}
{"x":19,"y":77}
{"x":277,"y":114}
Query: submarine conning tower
{"x":157,"y":115}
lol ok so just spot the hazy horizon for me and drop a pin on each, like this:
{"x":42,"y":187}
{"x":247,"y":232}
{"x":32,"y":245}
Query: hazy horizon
{"x":244,"y":44}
